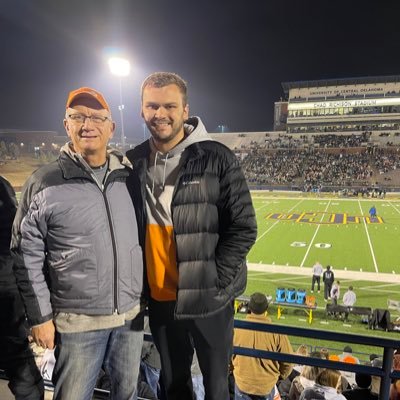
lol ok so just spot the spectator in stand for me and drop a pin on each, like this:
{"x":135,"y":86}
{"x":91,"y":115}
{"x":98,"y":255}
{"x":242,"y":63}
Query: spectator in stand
{"x":200,"y":225}
{"x":376,"y":380}
{"x":78,"y":256}
{"x":317,"y":271}
{"x":285,"y":384}
{"x":348,"y":357}
{"x":257,"y":377}
{"x":395,"y":390}
{"x":327,"y":384}
{"x":363,"y":389}
{"x":328,"y":277}
{"x":16,"y":358}
{"x":335,"y":292}
{"x":306,"y":379}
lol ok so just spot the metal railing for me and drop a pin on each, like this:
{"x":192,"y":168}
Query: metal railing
{"x":388,"y":345}
{"x":385,"y":373}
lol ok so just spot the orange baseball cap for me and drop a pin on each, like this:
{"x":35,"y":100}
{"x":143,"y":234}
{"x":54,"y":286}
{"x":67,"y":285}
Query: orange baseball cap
{"x":87,"y":92}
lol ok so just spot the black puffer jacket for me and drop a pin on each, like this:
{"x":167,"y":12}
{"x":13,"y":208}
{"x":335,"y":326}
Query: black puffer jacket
{"x":214,"y":226}
{"x":8,"y":208}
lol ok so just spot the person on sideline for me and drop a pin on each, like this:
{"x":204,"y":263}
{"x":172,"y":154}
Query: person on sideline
{"x":16,"y":357}
{"x":328,"y":278}
{"x":349,"y":299}
{"x":200,"y":227}
{"x":257,"y":377}
{"x":317,"y":271}
{"x":78,"y":258}
{"x":335,"y":292}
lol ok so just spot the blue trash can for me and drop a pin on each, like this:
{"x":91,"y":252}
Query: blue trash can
{"x":291,"y":295}
{"x":280,"y":295}
{"x":300,"y":296}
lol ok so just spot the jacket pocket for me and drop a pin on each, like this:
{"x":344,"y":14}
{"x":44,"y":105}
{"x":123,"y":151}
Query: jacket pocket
{"x":74,"y":275}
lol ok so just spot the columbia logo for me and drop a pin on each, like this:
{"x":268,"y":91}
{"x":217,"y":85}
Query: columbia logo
{"x":185,"y":183}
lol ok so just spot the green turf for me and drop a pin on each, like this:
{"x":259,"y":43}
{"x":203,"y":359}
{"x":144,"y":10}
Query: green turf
{"x":354,"y":246}
{"x":369,"y":294}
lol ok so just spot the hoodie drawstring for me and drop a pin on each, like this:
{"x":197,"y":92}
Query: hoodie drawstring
{"x":154,"y":175}
{"x":164,"y":172}
{"x":165,"y":168}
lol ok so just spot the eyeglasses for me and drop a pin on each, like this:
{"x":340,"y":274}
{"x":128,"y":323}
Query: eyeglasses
{"x":80,"y":118}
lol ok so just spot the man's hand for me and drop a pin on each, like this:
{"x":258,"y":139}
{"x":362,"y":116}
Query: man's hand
{"x":44,"y":334}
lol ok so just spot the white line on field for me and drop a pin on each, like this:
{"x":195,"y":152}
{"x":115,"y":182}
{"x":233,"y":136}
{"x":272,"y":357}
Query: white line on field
{"x":263,"y":206}
{"x":381,"y":286}
{"x":394,"y":206}
{"x":369,"y":240}
{"x":315,"y":234}
{"x":371,"y":289}
{"x":260,"y":237}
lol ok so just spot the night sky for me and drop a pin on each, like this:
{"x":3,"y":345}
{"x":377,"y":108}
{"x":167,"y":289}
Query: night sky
{"x":234,"y":54}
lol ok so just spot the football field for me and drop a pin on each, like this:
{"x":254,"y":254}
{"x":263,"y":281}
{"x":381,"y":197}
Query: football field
{"x":298,"y":231}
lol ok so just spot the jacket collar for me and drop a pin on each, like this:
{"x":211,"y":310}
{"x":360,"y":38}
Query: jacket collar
{"x":258,"y":318}
{"x":74,"y":166}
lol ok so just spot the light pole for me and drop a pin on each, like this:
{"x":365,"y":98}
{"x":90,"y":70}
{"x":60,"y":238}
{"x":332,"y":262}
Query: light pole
{"x":120,"y":67}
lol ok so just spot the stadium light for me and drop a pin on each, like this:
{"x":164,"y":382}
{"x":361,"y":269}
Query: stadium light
{"x":120,"y":67}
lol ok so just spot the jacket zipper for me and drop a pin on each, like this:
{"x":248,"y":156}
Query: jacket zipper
{"x":115,"y":286}
{"x":102,"y":188}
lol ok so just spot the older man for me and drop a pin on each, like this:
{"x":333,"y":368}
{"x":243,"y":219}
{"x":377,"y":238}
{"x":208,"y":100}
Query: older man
{"x":78,"y":257}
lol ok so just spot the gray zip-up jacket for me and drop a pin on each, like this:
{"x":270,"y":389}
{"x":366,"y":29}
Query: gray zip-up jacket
{"x":75,"y":243}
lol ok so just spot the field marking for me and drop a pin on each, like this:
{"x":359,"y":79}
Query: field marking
{"x":394,"y":292}
{"x":394,"y":206}
{"x":296,"y":280}
{"x":381,"y":286}
{"x":260,"y":237}
{"x":263,"y":206}
{"x":369,"y":240}
{"x":315,"y":234}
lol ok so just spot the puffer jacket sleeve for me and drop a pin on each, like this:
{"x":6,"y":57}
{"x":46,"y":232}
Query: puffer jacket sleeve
{"x":237,"y":225}
{"x":28,"y":249}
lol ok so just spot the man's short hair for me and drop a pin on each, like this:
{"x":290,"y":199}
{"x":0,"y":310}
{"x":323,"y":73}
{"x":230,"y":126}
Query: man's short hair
{"x":350,"y":287}
{"x":258,"y":303}
{"x":363,"y":380}
{"x":161,"y":79}
{"x":347,"y":349}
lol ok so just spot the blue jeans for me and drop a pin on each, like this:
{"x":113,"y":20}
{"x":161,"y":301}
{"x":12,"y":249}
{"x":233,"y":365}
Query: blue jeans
{"x":152,"y":376}
{"x":80,"y":356}
{"x":239,"y":395}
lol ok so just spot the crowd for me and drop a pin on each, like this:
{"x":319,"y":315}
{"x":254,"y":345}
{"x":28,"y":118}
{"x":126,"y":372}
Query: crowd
{"x":385,"y":162}
{"x":332,"y":140}
{"x":309,"y":168}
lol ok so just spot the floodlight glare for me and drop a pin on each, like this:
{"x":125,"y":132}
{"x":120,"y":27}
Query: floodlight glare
{"x":119,"y":66}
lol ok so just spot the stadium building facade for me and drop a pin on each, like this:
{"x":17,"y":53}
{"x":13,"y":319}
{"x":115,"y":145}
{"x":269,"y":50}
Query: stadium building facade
{"x":350,"y":105}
